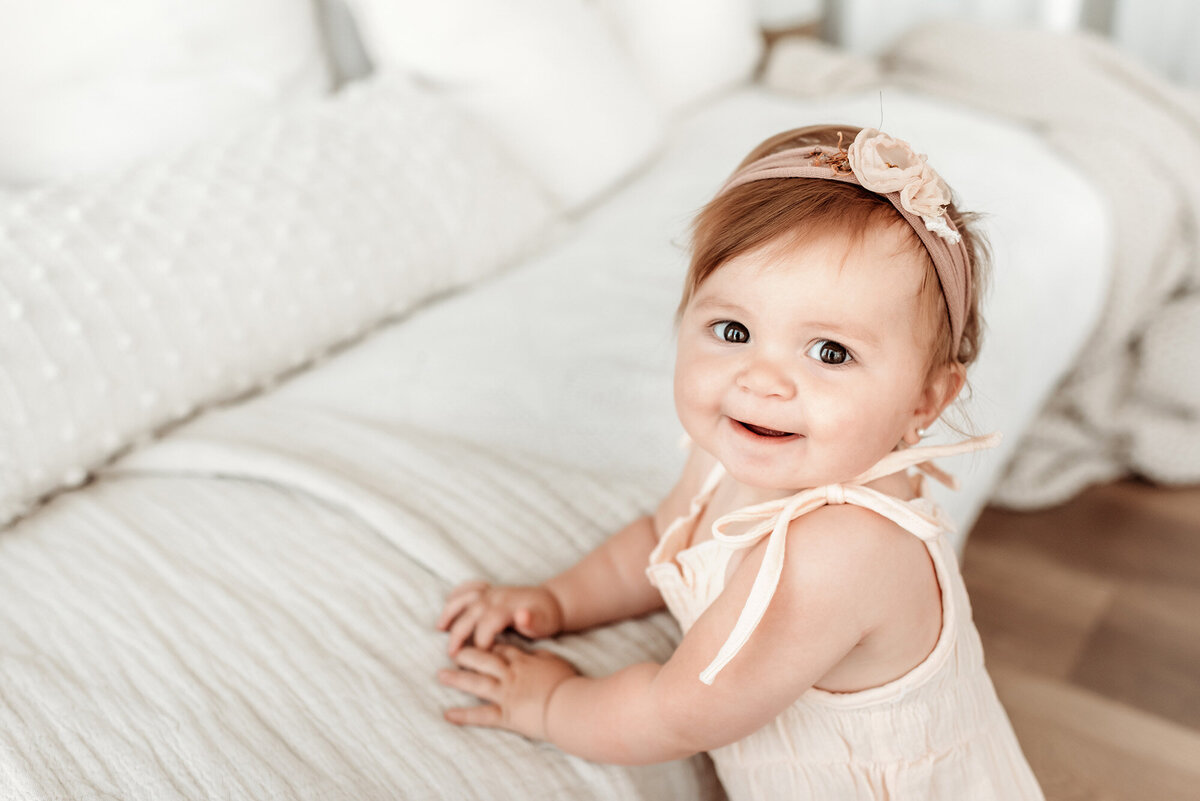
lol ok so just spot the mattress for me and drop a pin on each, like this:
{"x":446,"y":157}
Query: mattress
{"x":245,"y":608}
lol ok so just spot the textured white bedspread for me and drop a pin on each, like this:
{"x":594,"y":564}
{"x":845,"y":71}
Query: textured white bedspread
{"x":166,"y":637}
{"x":245,"y":609}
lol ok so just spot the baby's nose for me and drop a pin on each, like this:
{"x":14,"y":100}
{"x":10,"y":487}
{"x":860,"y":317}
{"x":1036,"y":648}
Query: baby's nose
{"x":766,"y":378}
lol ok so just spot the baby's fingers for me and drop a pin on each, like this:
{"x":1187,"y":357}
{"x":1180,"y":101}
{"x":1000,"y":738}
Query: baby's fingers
{"x":463,"y":627}
{"x":480,"y":676}
{"x":485,"y":715}
{"x":491,"y":623}
{"x":460,"y":597}
{"x":476,"y":684}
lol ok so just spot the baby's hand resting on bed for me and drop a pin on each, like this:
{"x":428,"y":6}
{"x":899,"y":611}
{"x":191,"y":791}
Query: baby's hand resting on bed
{"x":480,"y":609}
{"x":517,"y":685}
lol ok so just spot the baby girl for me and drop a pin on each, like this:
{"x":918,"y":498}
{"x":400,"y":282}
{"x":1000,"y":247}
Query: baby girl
{"x":828,"y":318}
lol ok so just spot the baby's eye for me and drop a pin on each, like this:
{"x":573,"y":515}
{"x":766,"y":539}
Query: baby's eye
{"x":731,"y":331}
{"x":827,"y":351}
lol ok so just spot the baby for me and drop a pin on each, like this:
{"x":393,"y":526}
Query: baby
{"x":828,"y":317}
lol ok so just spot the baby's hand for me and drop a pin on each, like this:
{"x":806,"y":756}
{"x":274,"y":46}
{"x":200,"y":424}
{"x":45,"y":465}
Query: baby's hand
{"x":480,"y":609}
{"x":517,"y":685}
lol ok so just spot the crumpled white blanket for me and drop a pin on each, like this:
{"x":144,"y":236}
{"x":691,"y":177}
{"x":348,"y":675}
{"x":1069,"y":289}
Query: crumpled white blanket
{"x":1131,"y":404}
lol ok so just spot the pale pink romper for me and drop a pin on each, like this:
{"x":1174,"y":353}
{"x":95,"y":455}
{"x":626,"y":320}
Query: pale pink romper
{"x":938,"y":732}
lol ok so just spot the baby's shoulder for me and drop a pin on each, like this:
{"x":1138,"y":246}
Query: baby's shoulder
{"x":856,"y":544}
{"x":876,"y":579}
{"x":847,"y":525}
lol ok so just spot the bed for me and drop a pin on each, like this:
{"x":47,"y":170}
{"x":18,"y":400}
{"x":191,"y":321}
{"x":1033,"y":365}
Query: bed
{"x":433,"y":359}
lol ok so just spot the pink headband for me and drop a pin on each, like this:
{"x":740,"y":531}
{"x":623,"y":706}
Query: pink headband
{"x":889,"y":167}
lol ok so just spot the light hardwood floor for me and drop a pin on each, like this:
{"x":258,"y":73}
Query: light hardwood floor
{"x":1090,"y":619}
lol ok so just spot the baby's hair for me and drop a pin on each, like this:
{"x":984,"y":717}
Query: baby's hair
{"x":791,"y":211}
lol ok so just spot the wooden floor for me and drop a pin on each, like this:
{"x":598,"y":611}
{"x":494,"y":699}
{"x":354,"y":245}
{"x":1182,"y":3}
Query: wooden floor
{"x":1090,"y":619}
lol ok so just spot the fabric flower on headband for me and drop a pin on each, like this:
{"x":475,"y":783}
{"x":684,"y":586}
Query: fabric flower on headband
{"x":884,"y":164}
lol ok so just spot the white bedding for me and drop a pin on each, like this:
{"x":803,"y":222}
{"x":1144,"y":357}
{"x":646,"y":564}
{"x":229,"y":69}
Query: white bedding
{"x":245,"y":609}
{"x":168,"y":637}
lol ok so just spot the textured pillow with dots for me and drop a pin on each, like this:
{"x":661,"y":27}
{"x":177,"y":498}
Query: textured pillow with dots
{"x":130,"y":300}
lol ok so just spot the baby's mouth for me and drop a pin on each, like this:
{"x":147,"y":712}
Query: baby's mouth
{"x":762,"y":431}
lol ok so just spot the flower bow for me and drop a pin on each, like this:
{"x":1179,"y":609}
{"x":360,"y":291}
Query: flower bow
{"x":884,"y":164}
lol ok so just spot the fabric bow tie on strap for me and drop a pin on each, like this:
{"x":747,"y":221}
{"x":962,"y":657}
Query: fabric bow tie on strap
{"x":772,"y":519}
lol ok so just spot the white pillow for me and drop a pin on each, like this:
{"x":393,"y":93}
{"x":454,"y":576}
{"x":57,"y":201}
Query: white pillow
{"x":88,"y":86}
{"x":688,"y":51}
{"x":545,"y":75}
{"x":130,"y":301}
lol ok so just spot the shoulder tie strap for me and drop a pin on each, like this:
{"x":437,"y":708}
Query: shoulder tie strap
{"x":772,"y":519}
{"x":675,"y":529}
{"x":922,"y":456}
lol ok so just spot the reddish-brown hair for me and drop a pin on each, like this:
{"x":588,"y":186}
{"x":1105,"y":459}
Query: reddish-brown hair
{"x":792,"y":211}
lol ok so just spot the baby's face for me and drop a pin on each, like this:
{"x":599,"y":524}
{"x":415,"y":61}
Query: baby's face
{"x":799,"y":366}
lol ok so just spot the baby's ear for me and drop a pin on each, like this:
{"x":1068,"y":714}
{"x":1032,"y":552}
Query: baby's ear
{"x":942,"y":388}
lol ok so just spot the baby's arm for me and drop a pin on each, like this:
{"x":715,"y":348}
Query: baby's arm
{"x":825,"y":604}
{"x":607,"y":585}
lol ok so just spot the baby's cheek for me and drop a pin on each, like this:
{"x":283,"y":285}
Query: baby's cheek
{"x":872,"y":440}
{"x":832,"y":415}
{"x":853,"y":434}
{"x":696,"y":405}
{"x":694,"y":380}
{"x":689,"y":406}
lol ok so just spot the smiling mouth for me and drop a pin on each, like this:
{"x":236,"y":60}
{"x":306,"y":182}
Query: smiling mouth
{"x":764,"y":432}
